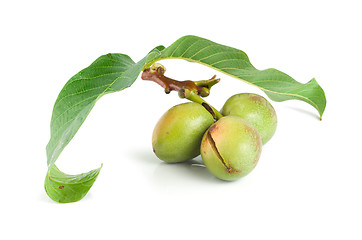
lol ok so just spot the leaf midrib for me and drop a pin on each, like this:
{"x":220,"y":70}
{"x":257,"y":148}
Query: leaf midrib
{"x":266,"y":90}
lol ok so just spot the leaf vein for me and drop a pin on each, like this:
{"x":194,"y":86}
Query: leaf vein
{"x":85,"y":99}
{"x":191,"y":46}
{"x":81,"y":92}
{"x":177,"y":47}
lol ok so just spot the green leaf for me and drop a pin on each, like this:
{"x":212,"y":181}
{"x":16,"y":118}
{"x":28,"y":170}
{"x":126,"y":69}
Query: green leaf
{"x":233,"y":62}
{"x":115,"y":72}
{"x":109,"y":73}
{"x":64,"y":188}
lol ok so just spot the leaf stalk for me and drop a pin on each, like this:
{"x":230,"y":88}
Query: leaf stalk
{"x":191,"y":90}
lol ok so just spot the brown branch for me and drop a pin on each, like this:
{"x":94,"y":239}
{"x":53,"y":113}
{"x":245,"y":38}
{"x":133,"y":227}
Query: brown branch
{"x":156,"y":74}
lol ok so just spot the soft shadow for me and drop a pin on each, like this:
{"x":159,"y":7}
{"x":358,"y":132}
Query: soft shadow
{"x":180,"y":173}
{"x":191,"y":170}
{"x":145,"y":155}
{"x":300,"y":110}
{"x":46,"y":199}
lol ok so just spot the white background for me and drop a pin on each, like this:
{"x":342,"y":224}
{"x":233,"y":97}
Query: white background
{"x":307,"y":184}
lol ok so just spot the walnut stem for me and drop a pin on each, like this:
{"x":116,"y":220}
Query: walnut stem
{"x":191,"y":90}
{"x":156,"y":74}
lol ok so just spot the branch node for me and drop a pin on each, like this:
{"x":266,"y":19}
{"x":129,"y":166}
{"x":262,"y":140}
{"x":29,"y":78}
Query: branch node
{"x":156,"y":74}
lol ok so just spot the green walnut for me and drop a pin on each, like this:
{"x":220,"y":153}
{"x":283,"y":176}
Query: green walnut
{"x":231,"y":148}
{"x":177,"y":135}
{"x":256,"y":110}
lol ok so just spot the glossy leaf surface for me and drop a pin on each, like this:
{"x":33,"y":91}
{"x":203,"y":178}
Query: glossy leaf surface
{"x":115,"y":72}
{"x":109,"y":73}
{"x":234,"y":62}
